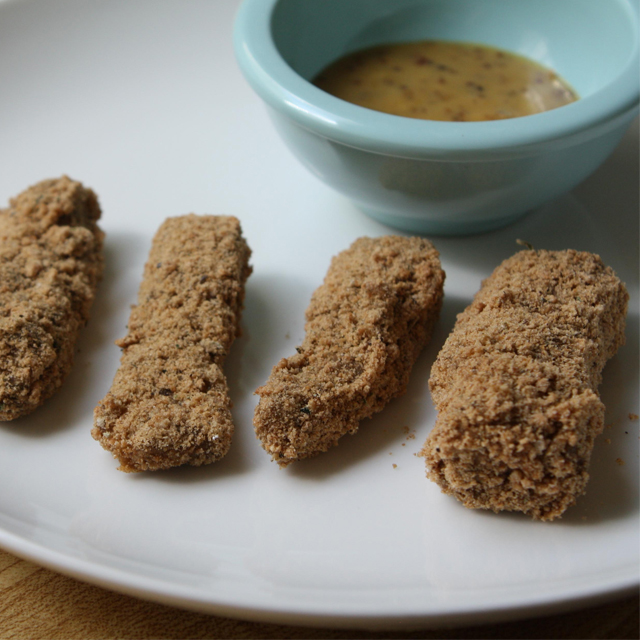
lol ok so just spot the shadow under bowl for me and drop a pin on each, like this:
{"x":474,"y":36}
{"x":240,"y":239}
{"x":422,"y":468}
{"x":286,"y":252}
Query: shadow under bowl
{"x":447,"y":178}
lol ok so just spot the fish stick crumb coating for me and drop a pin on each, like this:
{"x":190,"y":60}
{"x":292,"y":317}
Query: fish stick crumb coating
{"x":51,"y":260}
{"x":365,"y":326}
{"x":516,"y":384}
{"x":169,"y":402}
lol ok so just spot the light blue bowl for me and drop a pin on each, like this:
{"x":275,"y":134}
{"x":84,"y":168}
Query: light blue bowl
{"x":445,"y":177}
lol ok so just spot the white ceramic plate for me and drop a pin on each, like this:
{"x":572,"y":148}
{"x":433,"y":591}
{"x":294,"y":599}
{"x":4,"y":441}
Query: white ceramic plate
{"x":143,"y":102}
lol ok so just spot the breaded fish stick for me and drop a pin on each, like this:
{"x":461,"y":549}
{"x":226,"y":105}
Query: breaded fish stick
{"x":516,"y":384}
{"x":50,"y":262}
{"x":365,"y":327}
{"x":169,"y":402}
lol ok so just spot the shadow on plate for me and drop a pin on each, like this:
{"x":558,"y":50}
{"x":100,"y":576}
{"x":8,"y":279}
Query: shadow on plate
{"x":612,"y":491}
{"x":562,"y":224}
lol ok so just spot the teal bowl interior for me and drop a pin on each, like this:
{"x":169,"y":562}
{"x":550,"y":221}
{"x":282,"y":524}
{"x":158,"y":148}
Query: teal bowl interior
{"x":445,"y":177}
{"x":309,"y":35}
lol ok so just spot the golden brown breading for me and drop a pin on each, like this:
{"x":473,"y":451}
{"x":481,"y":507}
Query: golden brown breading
{"x":365,"y":327}
{"x":516,"y":384}
{"x":50,"y":262}
{"x":169,"y":403}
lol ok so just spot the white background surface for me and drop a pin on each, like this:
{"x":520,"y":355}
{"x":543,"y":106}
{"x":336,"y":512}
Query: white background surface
{"x":142,"y":101}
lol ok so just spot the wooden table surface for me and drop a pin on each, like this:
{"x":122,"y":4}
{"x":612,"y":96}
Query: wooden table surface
{"x":37,"y":603}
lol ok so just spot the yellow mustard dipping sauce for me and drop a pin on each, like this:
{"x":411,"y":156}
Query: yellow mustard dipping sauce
{"x":450,"y":81}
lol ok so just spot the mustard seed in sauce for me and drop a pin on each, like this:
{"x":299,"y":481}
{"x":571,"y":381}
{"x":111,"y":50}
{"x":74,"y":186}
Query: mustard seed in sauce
{"x":450,"y":81}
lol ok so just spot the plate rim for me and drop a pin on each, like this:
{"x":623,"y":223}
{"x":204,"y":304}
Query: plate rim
{"x":170,"y":594}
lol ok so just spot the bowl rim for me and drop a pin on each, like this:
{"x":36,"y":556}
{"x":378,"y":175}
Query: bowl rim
{"x":287,"y":92}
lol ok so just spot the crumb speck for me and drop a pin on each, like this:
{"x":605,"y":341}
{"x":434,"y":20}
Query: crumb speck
{"x":633,"y":416}
{"x":607,"y":441}
{"x":409,"y":433}
{"x":395,"y":466}
{"x":619,"y":462}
